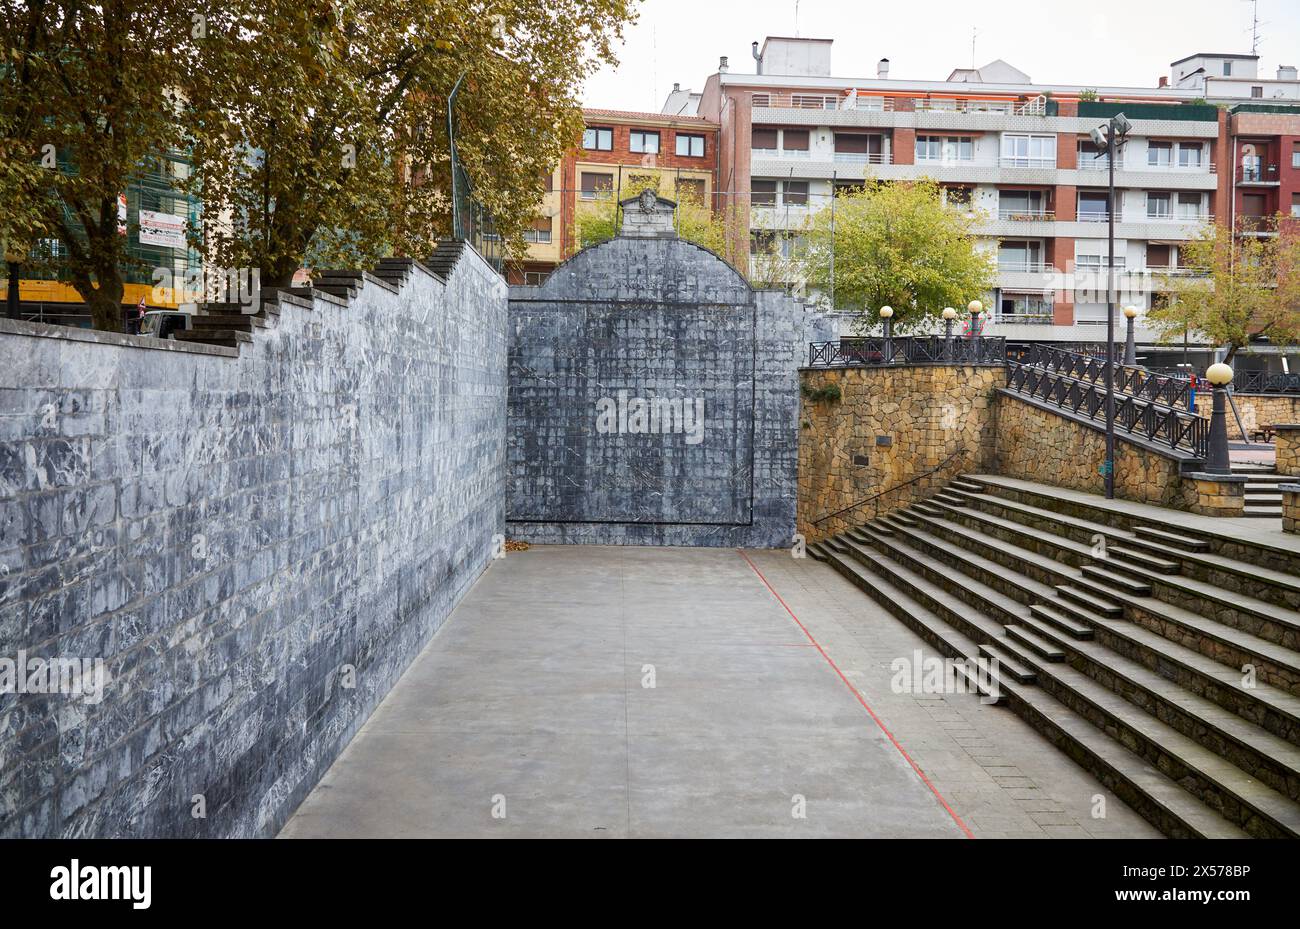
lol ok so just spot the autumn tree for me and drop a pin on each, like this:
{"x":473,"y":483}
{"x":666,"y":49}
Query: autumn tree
{"x":895,"y":244}
{"x":86,"y":104}
{"x":693,"y":218}
{"x":1249,"y":288}
{"x":321,"y":128}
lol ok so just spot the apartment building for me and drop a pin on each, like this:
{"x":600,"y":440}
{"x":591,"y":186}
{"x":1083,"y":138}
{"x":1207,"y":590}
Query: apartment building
{"x":1017,"y":155}
{"x":1265,"y":142}
{"x":620,"y":151}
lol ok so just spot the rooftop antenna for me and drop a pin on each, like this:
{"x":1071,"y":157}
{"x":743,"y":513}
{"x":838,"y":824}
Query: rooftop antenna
{"x":1254,"y":26}
{"x":796,"y":19}
{"x":974,"y":34}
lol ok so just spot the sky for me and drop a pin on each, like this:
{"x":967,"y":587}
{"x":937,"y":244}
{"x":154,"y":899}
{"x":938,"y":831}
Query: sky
{"x":1083,"y":42}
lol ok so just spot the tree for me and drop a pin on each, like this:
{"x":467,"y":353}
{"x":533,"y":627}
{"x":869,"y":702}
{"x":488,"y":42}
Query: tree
{"x":896,"y":244}
{"x":336,"y":145}
{"x":87,"y":106}
{"x":1250,"y":287}
{"x":695,"y":221}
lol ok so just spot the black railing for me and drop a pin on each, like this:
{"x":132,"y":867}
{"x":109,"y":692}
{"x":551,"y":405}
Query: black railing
{"x":1261,"y":382}
{"x":1156,"y":422}
{"x":874,"y":499}
{"x":905,"y":350}
{"x":1137,"y":382}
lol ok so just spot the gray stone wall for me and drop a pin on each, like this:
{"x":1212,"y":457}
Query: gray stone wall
{"x":256,"y":542}
{"x":659,"y":320}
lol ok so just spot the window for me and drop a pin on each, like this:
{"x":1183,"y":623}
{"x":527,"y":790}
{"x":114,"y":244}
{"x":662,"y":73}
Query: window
{"x":1093,"y":206}
{"x":1295,"y":154}
{"x":597,"y":186}
{"x":795,"y":193}
{"x":1157,"y":205}
{"x":794,"y":140}
{"x":690,"y":146}
{"x":1189,"y":206}
{"x":536,"y":278}
{"x":1189,"y":154}
{"x":762,"y":193}
{"x":690,"y":190}
{"x":945,"y":148}
{"x":1257,"y":92}
{"x":644,"y":142}
{"x":1295,"y":204}
{"x":1227,"y":69}
{"x":1159,"y":154}
{"x":539,"y":232}
{"x":854,"y":146}
{"x":1029,"y":151}
{"x":1020,"y":256}
{"x":1030,"y":308}
{"x":1096,"y":262}
{"x":597,"y":139}
{"x":1158,"y":256}
{"x":958,"y":197}
{"x":764,"y":140}
{"x":548,"y":181}
{"x":1018,"y":204}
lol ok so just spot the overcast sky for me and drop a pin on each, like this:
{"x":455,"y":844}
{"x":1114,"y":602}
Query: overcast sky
{"x":1085,"y":42}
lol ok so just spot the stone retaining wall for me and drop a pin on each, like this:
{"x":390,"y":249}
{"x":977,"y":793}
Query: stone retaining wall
{"x":1291,"y":507}
{"x":1039,"y":444}
{"x":888,"y":426}
{"x":1287,"y":445}
{"x":1256,"y":410}
{"x":255,"y":541}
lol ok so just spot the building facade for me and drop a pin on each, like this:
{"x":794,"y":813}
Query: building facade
{"x":621,"y":151}
{"x":1019,"y":157}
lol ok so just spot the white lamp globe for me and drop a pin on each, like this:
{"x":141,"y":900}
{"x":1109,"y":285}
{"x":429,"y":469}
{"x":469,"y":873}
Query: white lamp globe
{"x":949,"y":313}
{"x":975,"y":307}
{"x":1219,"y":374}
{"x":886,"y":312}
{"x":1130,"y":311}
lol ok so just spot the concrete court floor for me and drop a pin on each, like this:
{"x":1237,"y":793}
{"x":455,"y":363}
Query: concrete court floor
{"x":529,"y":715}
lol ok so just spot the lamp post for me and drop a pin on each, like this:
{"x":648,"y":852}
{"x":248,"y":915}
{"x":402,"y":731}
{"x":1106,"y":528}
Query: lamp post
{"x":949,"y":314}
{"x":1130,"y":340}
{"x":975,"y":308}
{"x":1109,"y":135}
{"x":887,"y":314}
{"x":1217,"y":460}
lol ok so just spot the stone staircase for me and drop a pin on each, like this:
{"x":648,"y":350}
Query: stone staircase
{"x":1119,"y":632}
{"x":1263,"y":492}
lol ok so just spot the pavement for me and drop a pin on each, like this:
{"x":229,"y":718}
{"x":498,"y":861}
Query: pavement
{"x":605,"y":691}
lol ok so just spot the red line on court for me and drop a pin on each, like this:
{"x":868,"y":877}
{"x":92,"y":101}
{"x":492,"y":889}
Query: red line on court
{"x":872,"y":713}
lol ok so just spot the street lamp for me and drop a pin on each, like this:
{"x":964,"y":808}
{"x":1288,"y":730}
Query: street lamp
{"x":1130,"y":341}
{"x":1110,"y":135}
{"x":975,"y":308}
{"x":1217,"y":460}
{"x":887,"y":314}
{"x":949,"y":314}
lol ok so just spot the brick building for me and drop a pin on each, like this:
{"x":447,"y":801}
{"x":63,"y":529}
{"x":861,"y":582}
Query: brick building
{"x":619,"y":150}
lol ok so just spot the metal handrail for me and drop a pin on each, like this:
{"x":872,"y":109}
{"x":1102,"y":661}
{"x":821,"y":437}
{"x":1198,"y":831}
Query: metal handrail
{"x":920,"y":477}
{"x":1137,"y":382}
{"x":1261,"y":382}
{"x":1156,"y":422}
{"x":877,"y":351}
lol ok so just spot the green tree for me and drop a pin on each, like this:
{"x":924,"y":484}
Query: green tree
{"x":1249,"y":287}
{"x":320,"y":127}
{"x":896,"y":244}
{"x":695,"y":221}
{"x":87,"y":101}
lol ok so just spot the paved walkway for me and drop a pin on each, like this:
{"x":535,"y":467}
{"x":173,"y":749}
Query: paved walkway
{"x":533,"y":703}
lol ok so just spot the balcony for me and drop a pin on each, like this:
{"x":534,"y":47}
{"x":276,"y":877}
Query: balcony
{"x":1260,"y":174}
{"x":1098,"y":216}
{"x":788,"y":101}
{"x":757,"y":153}
{"x":1028,"y":161}
{"x":1024,"y":319}
{"x":1087,"y":163}
{"x":864,"y":158}
{"x":1022,"y":266}
{"x":1026,"y":216}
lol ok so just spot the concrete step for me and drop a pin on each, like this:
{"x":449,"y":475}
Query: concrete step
{"x":1262,"y":512}
{"x":1113,"y":580}
{"x":1087,"y":600}
{"x":1143,"y":559}
{"x":1138,"y":782}
{"x":1006,"y":663}
{"x":949,"y":498}
{"x":968,"y":486}
{"x":1061,"y":619}
{"x":1246,"y":801}
{"x":1035,"y":643}
{"x":1171,"y":539}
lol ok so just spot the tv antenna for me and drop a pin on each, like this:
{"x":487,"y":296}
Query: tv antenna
{"x":1254,"y":26}
{"x":974,"y":34}
{"x":796,"y":19}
